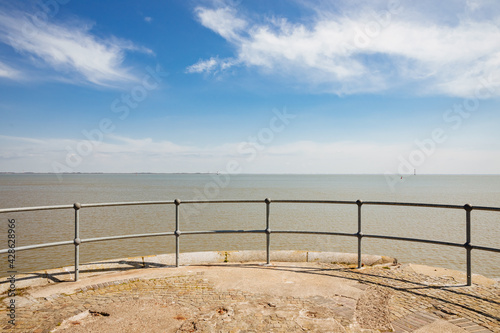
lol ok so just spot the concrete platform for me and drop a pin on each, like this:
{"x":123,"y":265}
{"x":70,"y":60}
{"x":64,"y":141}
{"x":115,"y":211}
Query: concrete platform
{"x":236,"y":292}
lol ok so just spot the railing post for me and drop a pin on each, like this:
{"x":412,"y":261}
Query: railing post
{"x":268,"y":232}
{"x":468,"y":247}
{"x":177,"y":231}
{"x":77,"y":240}
{"x":359,"y":233}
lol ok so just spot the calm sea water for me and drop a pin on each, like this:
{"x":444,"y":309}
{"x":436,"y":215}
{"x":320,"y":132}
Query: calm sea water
{"x":431,"y":223}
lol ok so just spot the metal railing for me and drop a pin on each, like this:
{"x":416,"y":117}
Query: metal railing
{"x":77,"y":241}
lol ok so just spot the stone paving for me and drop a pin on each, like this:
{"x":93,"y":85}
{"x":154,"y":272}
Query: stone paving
{"x":393,"y":299}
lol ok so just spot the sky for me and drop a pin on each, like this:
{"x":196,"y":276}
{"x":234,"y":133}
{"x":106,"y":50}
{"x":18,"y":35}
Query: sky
{"x":296,"y":86}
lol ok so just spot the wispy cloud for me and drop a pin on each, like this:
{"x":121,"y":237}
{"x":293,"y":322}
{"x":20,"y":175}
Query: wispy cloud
{"x":70,"y":49}
{"x":212,"y":65}
{"x":202,"y":66}
{"x":8,"y":72}
{"x":373,"y":48}
{"x":223,"y":21}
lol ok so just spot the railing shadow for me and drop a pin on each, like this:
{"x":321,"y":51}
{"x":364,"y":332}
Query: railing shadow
{"x":55,"y":277}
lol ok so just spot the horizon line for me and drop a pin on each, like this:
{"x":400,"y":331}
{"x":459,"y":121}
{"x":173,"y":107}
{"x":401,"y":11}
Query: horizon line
{"x":236,"y":174}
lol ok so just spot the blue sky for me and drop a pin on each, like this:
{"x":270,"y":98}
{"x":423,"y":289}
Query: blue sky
{"x":250,"y":86}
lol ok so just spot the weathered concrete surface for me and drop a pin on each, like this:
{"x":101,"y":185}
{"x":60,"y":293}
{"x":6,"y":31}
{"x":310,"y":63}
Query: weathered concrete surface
{"x":282,"y":281}
{"x":440,"y":326}
{"x":252,"y":297}
{"x":456,"y":275}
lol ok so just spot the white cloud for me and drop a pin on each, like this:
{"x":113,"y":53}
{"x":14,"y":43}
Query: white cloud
{"x":70,"y":49}
{"x":472,"y":4}
{"x":122,"y":154}
{"x":372,"y":48}
{"x":148,"y":19}
{"x":223,"y":21}
{"x":212,"y":65}
{"x":120,"y":144}
{"x":203,"y":66}
{"x":8,"y":72}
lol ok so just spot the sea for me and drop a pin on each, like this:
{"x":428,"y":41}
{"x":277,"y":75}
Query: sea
{"x":28,"y":190}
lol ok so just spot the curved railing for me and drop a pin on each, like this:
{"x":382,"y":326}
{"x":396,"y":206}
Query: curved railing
{"x":77,"y":241}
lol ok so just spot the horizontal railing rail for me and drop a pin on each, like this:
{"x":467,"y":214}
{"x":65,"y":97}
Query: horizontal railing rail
{"x":77,"y":241}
